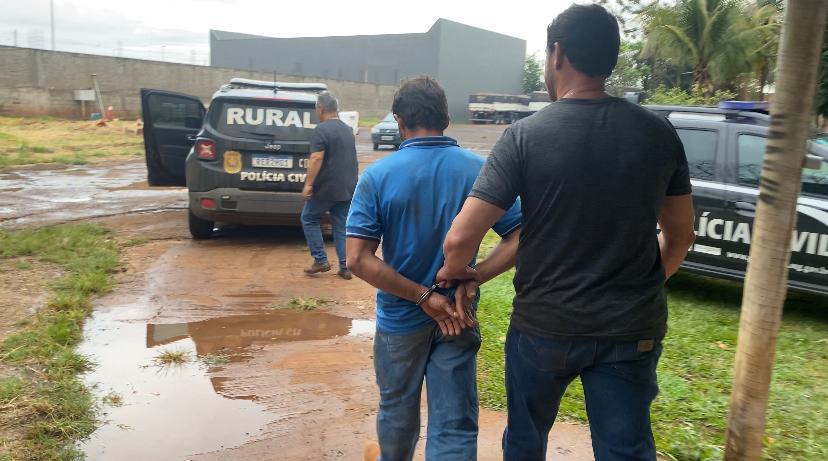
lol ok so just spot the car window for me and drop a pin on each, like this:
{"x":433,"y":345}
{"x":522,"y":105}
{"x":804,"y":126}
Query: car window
{"x":751,"y":153}
{"x":174,"y":112}
{"x":389,"y":118}
{"x":700,"y":148}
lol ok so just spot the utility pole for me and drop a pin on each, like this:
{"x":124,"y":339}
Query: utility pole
{"x":52,"y":17}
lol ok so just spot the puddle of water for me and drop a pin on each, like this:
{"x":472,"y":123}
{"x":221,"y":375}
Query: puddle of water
{"x":238,"y":332}
{"x":37,"y":195}
{"x":176,"y":411}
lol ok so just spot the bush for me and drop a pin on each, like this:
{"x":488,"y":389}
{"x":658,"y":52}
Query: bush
{"x":678,"y":97}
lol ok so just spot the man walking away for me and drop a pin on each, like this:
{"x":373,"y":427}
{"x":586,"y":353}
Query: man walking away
{"x":408,"y":201}
{"x":595,"y":174}
{"x":329,"y":185}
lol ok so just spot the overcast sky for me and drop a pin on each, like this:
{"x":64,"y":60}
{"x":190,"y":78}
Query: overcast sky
{"x":177,"y":30}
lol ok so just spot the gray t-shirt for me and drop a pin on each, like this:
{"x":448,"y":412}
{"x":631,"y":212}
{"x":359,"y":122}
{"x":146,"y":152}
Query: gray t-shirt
{"x":337,"y":178}
{"x":591,"y":175}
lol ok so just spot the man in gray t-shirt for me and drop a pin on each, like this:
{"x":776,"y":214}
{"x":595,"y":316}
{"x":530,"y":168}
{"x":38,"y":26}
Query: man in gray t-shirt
{"x":329,"y":185}
{"x":595,"y":175}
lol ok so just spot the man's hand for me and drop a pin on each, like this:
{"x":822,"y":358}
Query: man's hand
{"x":307,"y":191}
{"x":438,"y":307}
{"x":446,"y":276}
{"x":464,"y":297}
{"x":467,"y":280}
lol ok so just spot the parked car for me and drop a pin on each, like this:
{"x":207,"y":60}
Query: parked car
{"x":725,"y":147}
{"x":386,"y":132}
{"x":243,"y":161}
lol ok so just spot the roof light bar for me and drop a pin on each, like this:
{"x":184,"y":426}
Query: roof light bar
{"x":762,"y":106}
{"x":248,"y":83}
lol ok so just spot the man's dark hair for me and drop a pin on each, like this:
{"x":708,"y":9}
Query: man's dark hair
{"x":589,"y":37}
{"x":421,"y":103}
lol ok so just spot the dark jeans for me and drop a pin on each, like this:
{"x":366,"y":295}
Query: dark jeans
{"x":449,"y":366}
{"x":619,"y":380}
{"x":312,"y":216}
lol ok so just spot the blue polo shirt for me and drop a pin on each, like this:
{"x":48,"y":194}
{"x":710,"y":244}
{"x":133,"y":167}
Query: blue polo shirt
{"x":408,"y":200}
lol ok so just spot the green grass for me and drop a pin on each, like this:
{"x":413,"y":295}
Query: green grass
{"x":300,"y":304}
{"x":172,"y":357}
{"x":45,"y":400}
{"x":215,"y":359}
{"x":368,"y":122}
{"x":695,"y":371}
{"x":32,"y":140}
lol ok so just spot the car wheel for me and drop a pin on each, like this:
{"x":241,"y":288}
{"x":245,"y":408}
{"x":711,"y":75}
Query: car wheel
{"x":376,"y":146}
{"x":200,"y":229}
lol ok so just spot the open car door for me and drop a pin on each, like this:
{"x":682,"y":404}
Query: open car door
{"x":171,"y":123}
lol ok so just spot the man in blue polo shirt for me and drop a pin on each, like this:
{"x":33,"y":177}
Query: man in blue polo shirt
{"x":408,"y":201}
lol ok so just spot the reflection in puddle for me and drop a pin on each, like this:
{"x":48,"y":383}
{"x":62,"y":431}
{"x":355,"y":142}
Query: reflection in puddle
{"x":226,"y":334}
{"x":176,"y":411}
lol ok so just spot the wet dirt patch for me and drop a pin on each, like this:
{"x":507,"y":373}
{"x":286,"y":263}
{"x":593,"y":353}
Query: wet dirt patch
{"x":24,"y":284}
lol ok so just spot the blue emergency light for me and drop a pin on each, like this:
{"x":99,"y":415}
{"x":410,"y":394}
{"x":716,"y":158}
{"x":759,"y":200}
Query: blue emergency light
{"x":756,"y":106}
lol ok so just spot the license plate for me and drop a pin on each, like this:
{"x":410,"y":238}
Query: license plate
{"x":387,"y":138}
{"x":272,"y":161}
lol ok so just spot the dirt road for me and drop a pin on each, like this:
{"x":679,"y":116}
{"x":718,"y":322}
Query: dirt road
{"x":262,"y":378}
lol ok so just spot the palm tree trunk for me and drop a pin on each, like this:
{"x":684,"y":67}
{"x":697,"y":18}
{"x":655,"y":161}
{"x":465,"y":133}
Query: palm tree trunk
{"x":767,"y":274}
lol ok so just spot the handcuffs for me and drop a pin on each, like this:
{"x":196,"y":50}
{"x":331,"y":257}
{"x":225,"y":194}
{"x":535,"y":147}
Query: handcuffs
{"x":469,"y":309}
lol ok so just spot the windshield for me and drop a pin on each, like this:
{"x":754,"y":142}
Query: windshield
{"x":276,"y":120}
{"x":389,"y":118}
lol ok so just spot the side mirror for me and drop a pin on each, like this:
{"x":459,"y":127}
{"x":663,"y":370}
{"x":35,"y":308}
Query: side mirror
{"x":813,"y":162}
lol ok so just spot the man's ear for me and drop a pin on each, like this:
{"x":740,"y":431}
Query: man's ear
{"x":400,"y":122}
{"x":557,"y":56}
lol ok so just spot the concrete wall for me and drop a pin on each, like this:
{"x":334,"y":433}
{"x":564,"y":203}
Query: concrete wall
{"x":39,"y":82}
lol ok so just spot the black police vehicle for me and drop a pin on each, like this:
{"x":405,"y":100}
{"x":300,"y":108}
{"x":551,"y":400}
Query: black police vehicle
{"x":243,"y":160}
{"x":725,"y":148}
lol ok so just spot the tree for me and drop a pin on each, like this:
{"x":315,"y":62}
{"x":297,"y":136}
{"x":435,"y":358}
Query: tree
{"x":706,"y":35}
{"x":532,"y":75}
{"x":822,"y":85}
{"x":630,"y":71}
{"x":767,"y":273}
{"x":764,"y":23}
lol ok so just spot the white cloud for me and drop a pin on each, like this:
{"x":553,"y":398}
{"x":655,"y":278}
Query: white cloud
{"x":179,"y":28}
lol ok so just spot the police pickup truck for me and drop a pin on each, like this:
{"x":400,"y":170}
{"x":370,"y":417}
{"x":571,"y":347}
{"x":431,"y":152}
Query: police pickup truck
{"x":725,"y":148}
{"x":243,"y":161}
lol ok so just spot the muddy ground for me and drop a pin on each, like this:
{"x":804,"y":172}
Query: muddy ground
{"x":264,"y":379}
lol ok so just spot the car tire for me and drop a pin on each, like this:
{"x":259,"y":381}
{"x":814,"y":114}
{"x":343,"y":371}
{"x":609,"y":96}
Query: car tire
{"x":376,"y":146}
{"x":200,"y":229}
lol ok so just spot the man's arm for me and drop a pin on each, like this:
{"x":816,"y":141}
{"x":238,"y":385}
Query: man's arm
{"x":463,"y":239}
{"x":501,"y":259}
{"x":314,"y":165}
{"x":364,"y":263}
{"x":676,"y":222}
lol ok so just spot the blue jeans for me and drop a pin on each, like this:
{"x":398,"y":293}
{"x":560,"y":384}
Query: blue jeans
{"x":311,"y":217}
{"x":449,"y":365}
{"x":619,"y":380}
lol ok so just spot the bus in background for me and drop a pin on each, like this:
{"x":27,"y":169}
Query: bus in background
{"x":497,"y":108}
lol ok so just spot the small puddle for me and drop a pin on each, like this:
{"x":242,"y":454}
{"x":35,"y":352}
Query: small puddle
{"x":174,"y":411}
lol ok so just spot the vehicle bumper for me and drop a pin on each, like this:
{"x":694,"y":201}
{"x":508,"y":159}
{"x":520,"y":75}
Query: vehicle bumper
{"x":249,"y":207}
{"x":395,"y":138}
